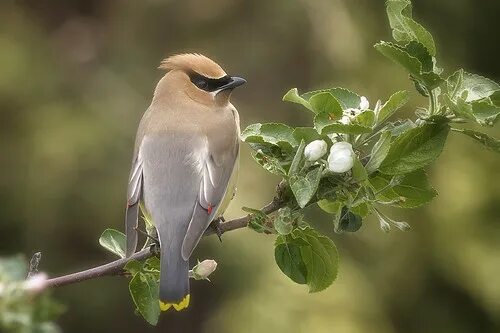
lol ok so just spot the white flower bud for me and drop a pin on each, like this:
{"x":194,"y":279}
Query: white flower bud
{"x":203,"y":269}
{"x":341,"y":158}
{"x":346,"y":120}
{"x":315,"y":150}
{"x":36,"y":283}
{"x":351,"y":112}
{"x":364,"y":104}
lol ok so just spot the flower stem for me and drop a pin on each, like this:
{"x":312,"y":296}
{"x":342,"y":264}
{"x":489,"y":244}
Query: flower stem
{"x":432,"y":102}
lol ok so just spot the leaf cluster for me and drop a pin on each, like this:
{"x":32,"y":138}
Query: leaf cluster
{"x":390,"y":155}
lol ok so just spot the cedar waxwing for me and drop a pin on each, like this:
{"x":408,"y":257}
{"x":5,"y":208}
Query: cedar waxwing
{"x":185,"y":165}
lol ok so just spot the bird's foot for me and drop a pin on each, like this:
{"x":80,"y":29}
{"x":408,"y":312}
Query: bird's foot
{"x":216,"y":225}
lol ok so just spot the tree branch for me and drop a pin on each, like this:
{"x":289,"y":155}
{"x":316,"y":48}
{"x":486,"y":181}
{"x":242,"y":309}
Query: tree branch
{"x":116,"y":267}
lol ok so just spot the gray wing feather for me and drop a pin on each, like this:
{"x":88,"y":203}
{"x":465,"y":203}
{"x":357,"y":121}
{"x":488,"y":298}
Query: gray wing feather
{"x":132,"y":211}
{"x":213,"y":187}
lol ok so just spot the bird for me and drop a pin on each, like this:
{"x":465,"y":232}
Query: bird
{"x":184,"y":165}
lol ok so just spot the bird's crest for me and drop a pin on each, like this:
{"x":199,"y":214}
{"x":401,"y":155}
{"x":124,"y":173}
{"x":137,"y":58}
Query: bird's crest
{"x":193,"y":62}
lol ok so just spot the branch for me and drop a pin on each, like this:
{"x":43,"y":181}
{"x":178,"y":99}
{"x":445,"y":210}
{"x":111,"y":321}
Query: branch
{"x":116,"y":267}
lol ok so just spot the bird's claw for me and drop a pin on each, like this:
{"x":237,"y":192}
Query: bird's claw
{"x":216,"y":225}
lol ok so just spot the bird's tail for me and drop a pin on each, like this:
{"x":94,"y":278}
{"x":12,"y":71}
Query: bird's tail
{"x":174,"y":280}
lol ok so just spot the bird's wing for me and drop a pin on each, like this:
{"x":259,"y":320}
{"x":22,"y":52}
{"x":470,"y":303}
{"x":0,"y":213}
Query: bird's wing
{"x":213,"y":187}
{"x":132,"y":211}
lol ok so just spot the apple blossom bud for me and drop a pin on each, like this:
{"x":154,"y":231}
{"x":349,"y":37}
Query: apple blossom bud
{"x":315,"y":150}
{"x":364,"y":104}
{"x":203,"y":269}
{"x":386,"y":227}
{"x":36,"y":283}
{"x":403,"y":226}
{"x":341,"y":158}
{"x":346,"y":120}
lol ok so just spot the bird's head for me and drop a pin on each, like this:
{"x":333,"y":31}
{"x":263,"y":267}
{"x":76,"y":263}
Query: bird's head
{"x":201,"y":78}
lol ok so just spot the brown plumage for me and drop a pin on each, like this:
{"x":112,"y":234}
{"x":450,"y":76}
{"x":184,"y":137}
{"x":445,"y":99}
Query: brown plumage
{"x":185,"y":157}
{"x":195,"y":62}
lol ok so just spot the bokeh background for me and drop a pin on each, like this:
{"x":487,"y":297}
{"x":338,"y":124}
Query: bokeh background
{"x":75,"y":78}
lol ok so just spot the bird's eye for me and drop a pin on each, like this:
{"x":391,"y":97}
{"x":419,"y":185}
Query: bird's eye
{"x":201,"y":83}
{"x":208,"y":84}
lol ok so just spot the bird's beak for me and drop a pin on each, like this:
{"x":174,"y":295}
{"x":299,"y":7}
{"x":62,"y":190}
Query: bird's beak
{"x":235,"y":82}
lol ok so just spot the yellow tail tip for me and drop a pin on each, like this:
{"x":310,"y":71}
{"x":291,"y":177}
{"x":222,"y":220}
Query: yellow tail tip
{"x":177,"y":306}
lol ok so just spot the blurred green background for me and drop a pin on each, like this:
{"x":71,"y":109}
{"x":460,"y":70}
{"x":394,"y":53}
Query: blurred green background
{"x":75,"y":78}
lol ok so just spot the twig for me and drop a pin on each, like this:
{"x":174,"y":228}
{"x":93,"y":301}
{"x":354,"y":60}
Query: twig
{"x":112,"y":268}
{"x":116,"y":267}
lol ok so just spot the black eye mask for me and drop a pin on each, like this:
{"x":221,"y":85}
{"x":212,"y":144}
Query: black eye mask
{"x":208,"y":84}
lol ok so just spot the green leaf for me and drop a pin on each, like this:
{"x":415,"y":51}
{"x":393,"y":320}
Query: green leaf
{"x":415,"y":189}
{"x":329,"y":206}
{"x":276,"y":134}
{"x":485,"y":112}
{"x":358,"y":171}
{"x":361,"y":210}
{"x":348,"y":221}
{"x":330,"y":188}
{"x":419,"y":51}
{"x":404,"y":28}
{"x":133,"y":267}
{"x":415,"y":149}
{"x":259,"y":222}
{"x":144,"y":291}
{"x":420,"y":87}
{"x":269,"y":163}
{"x":304,"y":188}
{"x":251,"y":130}
{"x":297,"y":159}
{"x":153,"y":265}
{"x":114,"y":241}
{"x":460,"y":108}
{"x":399,"y":127}
{"x":365,"y":119}
{"x":320,"y":257}
{"x":474,"y":87}
{"x":489,"y":142}
{"x":346,"y":98}
{"x":289,"y":259}
{"x":379,"y":152}
{"x":346,"y":129}
{"x":395,"y":102}
{"x":283,"y":221}
{"x":293,"y":96}
{"x":412,"y":191}
{"x":402,"y":57}
{"x":324,"y":102}
{"x":495,"y":98}
{"x":308,"y":134}
{"x":307,"y":257}
{"x":324,"y":124}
